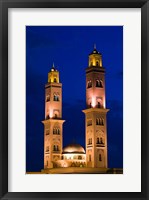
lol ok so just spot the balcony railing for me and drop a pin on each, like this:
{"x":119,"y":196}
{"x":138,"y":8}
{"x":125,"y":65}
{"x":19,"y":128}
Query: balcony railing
{"x":100,"y":144}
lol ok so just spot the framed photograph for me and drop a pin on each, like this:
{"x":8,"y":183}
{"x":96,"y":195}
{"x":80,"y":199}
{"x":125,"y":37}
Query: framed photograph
{"x":74,"y":99}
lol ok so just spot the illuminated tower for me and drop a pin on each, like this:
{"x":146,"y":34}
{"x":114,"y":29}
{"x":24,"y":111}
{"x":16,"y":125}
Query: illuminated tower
{"x":95,"y":113}
{"x":53,"y":123}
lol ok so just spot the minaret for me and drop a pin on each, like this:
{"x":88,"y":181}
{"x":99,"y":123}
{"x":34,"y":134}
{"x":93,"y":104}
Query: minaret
{"x":95,"y":113}
{"x":53,"y":123}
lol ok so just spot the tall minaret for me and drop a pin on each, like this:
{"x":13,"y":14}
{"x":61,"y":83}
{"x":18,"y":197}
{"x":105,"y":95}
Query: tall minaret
{"x":53,"y":123}
{"x":95,"y":113}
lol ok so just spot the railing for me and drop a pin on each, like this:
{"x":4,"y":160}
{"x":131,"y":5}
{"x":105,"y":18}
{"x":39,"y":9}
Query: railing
{"x":100,"y":144}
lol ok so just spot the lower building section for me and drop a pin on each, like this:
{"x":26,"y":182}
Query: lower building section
{"x":80,"y":170}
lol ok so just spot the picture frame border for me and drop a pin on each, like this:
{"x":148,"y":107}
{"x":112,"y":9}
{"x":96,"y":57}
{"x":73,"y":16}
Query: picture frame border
{"x":4,"y":6}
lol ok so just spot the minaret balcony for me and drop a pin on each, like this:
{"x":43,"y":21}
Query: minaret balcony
{"x":89,"y":145}
{"x":100,"y":145}
{"x":56,"y":151}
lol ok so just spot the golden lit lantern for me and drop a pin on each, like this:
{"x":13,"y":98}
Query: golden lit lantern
{"x":95,"y":58}
{"x":53,"y":75}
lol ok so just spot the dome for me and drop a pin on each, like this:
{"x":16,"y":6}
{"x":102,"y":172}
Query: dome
{"x":74,"y":148}
{"x":95,"y":52}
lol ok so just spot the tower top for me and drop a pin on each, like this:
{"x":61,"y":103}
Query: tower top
{"x":95,"y":58}
{"x":53,"y":75}
{"x":53,"y":68}
{"x":95,"y":51}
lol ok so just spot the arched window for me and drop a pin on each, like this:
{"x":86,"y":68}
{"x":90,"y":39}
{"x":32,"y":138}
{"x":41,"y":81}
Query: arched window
{"x":90,"y":141}
{"x":101,"y":84}
{"x":101,"y":121}
{"x":55,"y":81}
{"x":97,"y":83}
{"x":89,"y":122}
{"x":101,"y":140}
{"x":55,"y":148}
{"x":56,"y":97}
{"x":56,"y":114}
{"x":79,"y":157}
{"x":97,"y":140}
{"x":47,"y":98}
{"x":90,"y":105}
{"x":99,"y":105}
{"x":89,"y":84}
{"x":54,"y":131}
{"x":97,"y":121}
{"x":58,"y":131}
{"x":100,"y":158}
{"x":97,"y":63}
{"x":74,"y":157}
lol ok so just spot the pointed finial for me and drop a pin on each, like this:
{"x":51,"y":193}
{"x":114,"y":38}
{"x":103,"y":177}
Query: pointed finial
{"x":94,"y":46}
{"x":53,"y":65}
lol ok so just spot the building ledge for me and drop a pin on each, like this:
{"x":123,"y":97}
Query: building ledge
{"x":101,"y":110}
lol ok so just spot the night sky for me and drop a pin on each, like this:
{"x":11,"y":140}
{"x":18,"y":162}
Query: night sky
{"x":68,"y":47}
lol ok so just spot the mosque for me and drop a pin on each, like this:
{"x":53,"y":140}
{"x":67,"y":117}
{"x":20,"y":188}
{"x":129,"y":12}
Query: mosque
{"x":74,"y":155}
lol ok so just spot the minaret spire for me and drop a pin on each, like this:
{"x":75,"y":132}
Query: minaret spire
{"x":53,"y":67}
{"x":94,"y":46}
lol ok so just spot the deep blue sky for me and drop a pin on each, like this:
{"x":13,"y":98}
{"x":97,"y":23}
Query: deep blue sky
{"x":68,"y":47}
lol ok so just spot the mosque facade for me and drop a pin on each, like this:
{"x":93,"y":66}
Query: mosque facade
{"x":74,"y":155}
